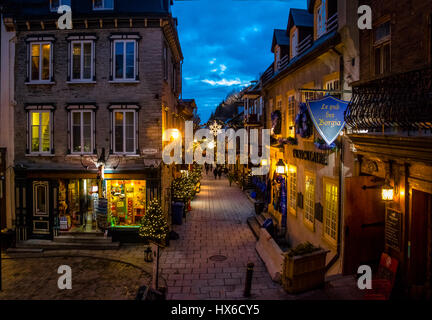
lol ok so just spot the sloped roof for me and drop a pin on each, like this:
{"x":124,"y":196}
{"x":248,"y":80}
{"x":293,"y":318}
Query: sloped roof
{"x":300,"y":18}
{"x":280,"y":38}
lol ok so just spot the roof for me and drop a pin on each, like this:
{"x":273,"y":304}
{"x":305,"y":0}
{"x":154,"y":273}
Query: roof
{"x":41,"y":8}
{"x":280,"y":38}
{"x":300,"y":18}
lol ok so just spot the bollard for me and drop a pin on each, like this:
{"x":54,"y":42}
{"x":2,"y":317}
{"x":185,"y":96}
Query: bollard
{"x":248,"y":283}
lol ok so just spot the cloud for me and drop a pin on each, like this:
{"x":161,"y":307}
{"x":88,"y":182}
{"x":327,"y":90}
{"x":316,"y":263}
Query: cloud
{"x":224,"y":82}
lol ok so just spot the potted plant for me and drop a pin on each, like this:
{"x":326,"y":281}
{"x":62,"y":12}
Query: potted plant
{"x":304,"y":268}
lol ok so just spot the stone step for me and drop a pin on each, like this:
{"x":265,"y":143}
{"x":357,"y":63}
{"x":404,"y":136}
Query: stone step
{"x":254,"y":226}
{"x":82,"y":239}
{"x":52,"y":245}
{"x":82,"y":233}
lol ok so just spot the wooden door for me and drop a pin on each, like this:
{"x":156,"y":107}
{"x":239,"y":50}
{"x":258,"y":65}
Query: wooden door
{"x":364,"y":217}
{"x":419,"y":240}
{"x":41,"y":209}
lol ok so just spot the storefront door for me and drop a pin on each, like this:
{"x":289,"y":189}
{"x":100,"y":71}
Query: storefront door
{"x":419,"y":248}
{"x":41,"y":208}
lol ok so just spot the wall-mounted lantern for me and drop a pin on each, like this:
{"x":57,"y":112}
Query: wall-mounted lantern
{"x":280,"y":167}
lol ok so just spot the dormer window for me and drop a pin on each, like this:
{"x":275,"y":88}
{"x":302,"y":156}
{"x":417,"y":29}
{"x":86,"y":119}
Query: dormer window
{"x":321,"y":17}
{"x":103,"y":4}
{"x":55,"y":4}
{"x":294,"y":43}
{"x":277,"y":57}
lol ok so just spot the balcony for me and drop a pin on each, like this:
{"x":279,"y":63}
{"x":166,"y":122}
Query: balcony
{"x":332,"y":23}
{"x":304,"y":45}
{"x":399,"y":102}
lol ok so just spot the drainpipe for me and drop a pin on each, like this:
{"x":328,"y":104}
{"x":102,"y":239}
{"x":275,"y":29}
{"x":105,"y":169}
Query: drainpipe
{"x":341,"y":176}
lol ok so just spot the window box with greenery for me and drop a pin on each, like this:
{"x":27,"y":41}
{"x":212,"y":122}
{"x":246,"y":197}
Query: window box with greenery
{"x":304,"y":268}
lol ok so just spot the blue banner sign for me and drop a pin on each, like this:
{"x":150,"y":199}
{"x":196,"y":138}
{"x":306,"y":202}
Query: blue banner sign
{"x":328,"y":117}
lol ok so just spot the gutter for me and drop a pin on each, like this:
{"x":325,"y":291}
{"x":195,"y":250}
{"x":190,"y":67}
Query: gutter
{"x":341,"y":176}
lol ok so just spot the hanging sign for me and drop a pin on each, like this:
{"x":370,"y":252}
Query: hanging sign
{"x":328,"y":117}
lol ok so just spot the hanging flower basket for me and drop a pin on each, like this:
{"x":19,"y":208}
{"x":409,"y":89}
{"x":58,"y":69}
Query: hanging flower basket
{"x":303,"y":122}
{"x":322,"y":145}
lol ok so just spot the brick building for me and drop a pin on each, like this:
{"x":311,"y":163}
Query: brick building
{"x":92,"y":104}
{"x":389,"y":122}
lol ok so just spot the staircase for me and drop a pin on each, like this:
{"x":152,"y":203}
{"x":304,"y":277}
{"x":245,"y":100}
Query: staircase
{"x":76,"y":241}
{"x":255,"y":222}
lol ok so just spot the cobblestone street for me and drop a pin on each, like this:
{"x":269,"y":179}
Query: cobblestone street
{"x":210,"y":258}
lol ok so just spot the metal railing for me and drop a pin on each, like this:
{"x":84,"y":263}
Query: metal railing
{"x":332,"y":23}
{"x":304,"y":45}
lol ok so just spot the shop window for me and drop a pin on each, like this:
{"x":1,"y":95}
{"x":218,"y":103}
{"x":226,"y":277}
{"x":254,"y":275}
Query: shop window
{"x":126,"y":202}
{"x":330,"y":210}
{"x":292,"y":183}
{"x":291,"y":116}
{"x":82,"y":127}
{"x":82,"y":62}
{"x":40,"y":64}
{"x":124,"y":132}
{"x":103,"y":4}
{"x":40,"y":131}
{"x":55,"y":4}
{"x":309,"y":204}
{"x":382,"y":43}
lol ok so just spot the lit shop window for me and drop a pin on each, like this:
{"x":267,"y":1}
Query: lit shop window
{"x":82,"y":131}
{"x":309,"y":205}
{"x":292,"y":196}
{"x":40,"y":63}
{"x":40,"y":131}
{"x":103,"y":4}
{"x":82,"y":61}
{"x":126,"y":202}
{"x":124,"y":132}
{"x":124,"y":60}
{"x":330,"y":211}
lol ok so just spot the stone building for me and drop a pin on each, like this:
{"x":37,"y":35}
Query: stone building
{"x":315,"y":56}
{"x":92,"y":104}
{"x":389,"y":122}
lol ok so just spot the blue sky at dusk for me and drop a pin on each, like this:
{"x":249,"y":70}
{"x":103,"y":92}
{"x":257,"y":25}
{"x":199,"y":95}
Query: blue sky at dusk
{"x":226,"y":44}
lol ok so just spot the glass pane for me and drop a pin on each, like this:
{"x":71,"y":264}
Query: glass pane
{"x":55,"y":4}
{"x":87,"y":131}
{"x":41,"y":197}
{"x":386,"y":58}
{"x":378,"y":61}
{"x":35,"y":118}
{"x":45,"y":139}
{"x":76,"y":118}
{"x":76,"y":61}
{"x":45,"y":118}
{"x":109,"y":4}
{"x":87,"y":60}
{"x":98,"y":3}
{"x":130,"y":60}
{"x":119,"y":60}
{"x":46,"y":53}
{"x":35,"y":62}
{"x":35,"y":139}
{"x":87,"y":118}
{"x":76,"y":138}
{"x":130,"y":132}
{"x":118,"y":138}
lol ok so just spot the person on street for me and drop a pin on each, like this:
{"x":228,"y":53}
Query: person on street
{"x":220,"y":173}
{"x":215,"y":172}
{"x":207,"y":168}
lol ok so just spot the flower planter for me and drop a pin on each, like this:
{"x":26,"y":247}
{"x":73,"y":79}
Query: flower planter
{"x":303,"y":273}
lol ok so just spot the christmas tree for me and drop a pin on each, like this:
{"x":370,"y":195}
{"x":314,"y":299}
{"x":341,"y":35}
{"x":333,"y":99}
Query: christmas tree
{"x":154,"y":225}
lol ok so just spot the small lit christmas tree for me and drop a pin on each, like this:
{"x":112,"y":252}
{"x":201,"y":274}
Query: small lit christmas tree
{"x":154,"y":225}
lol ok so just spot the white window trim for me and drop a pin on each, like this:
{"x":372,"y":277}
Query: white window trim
{"x":124,"y":111}
{"x":321,"y":29}
{"x":40,"y":133}
{"x":82,"y":131}
{"x":82,"y":80}
{"x":295,"y":43}
{"x":124,"y":79}
{"x":309,"y":223}
{"x":40,"y":43}
{"x":326,"y":236}
{"x":103,"y":8}
{"x":54,"y":9}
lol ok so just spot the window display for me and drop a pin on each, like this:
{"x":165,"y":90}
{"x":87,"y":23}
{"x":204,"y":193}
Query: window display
{"x":126,"y":202}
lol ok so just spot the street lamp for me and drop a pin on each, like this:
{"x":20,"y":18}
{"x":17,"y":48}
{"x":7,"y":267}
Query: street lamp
{"x":387,"y":192}
{"x":280,"y":167}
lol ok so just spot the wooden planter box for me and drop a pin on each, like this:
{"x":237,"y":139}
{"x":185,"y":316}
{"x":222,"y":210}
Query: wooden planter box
{"x":303,"y":273}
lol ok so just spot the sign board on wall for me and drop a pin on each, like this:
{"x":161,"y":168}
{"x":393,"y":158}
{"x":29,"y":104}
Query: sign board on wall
{"x":393,"y":228}
{"x":328,"y":116}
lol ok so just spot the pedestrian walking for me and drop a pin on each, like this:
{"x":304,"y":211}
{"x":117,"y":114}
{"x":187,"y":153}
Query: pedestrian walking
{"x":220,"y":173}
{"x":207,"y":168}
{"x":215,"y":172}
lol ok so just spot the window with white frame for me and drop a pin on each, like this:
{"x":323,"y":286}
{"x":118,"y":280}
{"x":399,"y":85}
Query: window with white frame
{"x":124,"y":131}
{"x":103,"y":4}
{"x":291,"y":116}
{"x":294,"y":43}
{"x":40,"y":64}
{"x":381,"y":47}
{"x":292,"y":183}
{"x":333,"y":85}
{"x":82,"y":131}
{"x":330,"y":210}
{"x":40,"y":123}
{"x":82,"y":61}
{"x":309,"y":204}
{"x":321,"y":19}
{"x":55,"y":4}
{"x":124,"y":60}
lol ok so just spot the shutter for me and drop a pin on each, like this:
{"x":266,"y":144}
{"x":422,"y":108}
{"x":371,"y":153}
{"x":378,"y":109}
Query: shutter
{"x":52,"y":131}
{"x":69,"y":61}
{"x":94,"y":59}
{"x":69,"y":136}
{"x":28,"y":62}
{"x":137,"y":77}
{"x":111,"y":60}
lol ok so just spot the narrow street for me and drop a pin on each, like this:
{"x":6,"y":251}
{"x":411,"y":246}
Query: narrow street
{"x":210,"y":258}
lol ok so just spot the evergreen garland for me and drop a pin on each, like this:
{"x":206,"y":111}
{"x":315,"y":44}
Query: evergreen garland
{"x":154,"y":225}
